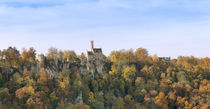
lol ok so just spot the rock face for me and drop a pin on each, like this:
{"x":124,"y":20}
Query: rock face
{"x":79,"y":99}
{"x":52,"y":68}
{"x":95,"y":60}
{"x":83,"y":65}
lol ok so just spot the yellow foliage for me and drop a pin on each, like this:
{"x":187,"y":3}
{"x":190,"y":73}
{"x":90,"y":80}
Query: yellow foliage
{"x":30,"y":90}
{"x":129,"y":72}
{"x":62,"y":85}
{"x":114,"y":70}
{"x":162,"y":75}
{"x":187,"y":105}
{"x":182,"y":102}
{"x":144,"y":91}
{"x":81,"y":106}
{"x":30,"y":103}
{"x":91,"y":97}
{"x":169,"y":69}
{"x":69,"y":55}
{"x":111,"y":73}
{"x":161,"y":100}
{"x":204,"y":82}
{"x":66,"y":80}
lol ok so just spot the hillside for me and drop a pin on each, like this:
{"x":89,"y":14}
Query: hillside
{"x":128,"y":79}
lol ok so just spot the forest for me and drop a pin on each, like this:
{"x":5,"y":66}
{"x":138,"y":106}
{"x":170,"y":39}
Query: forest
{"x":132,"y":79}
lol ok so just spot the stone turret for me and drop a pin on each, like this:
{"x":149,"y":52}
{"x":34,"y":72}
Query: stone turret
{"x":91,"y":45}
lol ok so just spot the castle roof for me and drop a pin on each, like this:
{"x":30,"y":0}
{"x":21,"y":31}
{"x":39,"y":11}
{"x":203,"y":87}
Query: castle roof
{"x":97,"y":50}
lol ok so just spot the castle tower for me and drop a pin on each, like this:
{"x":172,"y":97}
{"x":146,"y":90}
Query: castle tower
{"x":91,"y":45}
{"x":40,"y":58}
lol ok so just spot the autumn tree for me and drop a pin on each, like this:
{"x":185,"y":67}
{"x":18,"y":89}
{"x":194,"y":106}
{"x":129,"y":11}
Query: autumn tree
{"x":23,"y":94}
{"x":142,"y":57}
{"x":140,"y":83}
{"x":28,"y":58}
{"x":129,"y":102}
{"x":118,"y":103}
{"x":12,"y":57}
{"x":161,"y":101}
{"x":38,"y":101}
{"x":129,"y":73}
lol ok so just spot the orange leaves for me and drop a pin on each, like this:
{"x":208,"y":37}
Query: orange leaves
{"x":20,"y":93}
{"x":183,"y":102}
{"x":204,"y":89}
{"x":161,"y":100}
{"x":172,"y":96}
{"x":25,"y":91}
{"x":204,"y":86}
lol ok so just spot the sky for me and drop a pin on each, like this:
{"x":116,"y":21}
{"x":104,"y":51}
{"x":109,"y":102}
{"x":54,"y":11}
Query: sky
{"x":164,"y":27}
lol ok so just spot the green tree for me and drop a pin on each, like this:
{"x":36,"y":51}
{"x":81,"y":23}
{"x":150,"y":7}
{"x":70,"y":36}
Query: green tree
{"x":5,"y":96}
{"x":140,"y":83}
{"x":118,"y":103}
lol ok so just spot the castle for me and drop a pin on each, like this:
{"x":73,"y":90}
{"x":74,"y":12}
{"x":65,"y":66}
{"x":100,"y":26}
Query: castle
{"x":95,"y":59}
{"x":93,"y":62}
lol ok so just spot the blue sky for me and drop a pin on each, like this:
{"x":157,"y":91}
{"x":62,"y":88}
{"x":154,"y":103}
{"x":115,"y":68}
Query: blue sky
{"x":163,"y":27}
